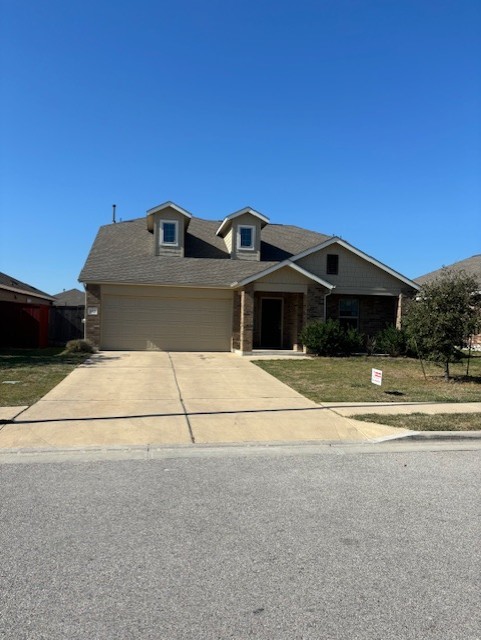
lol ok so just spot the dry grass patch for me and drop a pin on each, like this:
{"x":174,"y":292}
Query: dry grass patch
{"x":26,"y":375}
{"x":425,"y":422}
{"x":349,"y":379}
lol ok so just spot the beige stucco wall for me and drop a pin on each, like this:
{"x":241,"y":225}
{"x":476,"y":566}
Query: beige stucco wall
{"x":356,"y":275}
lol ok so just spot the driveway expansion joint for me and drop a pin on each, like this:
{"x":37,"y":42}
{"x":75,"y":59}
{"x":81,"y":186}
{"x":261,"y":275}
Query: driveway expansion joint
{"x":181,"y":400}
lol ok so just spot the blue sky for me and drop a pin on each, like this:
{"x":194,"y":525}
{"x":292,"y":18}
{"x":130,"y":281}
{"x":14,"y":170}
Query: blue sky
{"x":356,"y":118}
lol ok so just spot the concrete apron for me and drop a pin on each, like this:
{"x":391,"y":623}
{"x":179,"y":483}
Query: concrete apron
{"x":157,"y":398}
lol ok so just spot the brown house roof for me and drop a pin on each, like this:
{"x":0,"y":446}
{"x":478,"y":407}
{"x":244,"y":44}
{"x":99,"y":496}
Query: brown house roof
{"x":12,"y":284}
{"x":472,"y":266}
{"x":70,"y":298}
{"x":124,"y":252}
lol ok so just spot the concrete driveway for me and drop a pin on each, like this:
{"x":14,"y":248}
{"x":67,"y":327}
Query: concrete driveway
{"x":155,"y":398}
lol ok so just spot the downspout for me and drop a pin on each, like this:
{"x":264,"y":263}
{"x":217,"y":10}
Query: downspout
{"x":325,"y":304}
{"x":84,"y":319}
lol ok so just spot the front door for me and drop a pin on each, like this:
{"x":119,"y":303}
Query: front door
{"x":271,"y":323}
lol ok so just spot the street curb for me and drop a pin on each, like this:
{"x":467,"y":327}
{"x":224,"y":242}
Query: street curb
{"x":430,"y":436}
{"x":442,"y":435}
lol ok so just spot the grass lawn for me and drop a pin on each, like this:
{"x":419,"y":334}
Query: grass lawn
{"x":349,"y":379}
{"x":424,"y":422}
{"x":34,"y":372}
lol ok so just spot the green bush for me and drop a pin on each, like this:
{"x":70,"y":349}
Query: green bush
{"x":392,"y":341}
{"x":79,"y":346}
{"x":355,"y":341}
{"x":331,"y":339}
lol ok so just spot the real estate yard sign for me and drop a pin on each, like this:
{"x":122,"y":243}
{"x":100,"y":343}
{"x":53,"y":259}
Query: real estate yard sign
{"x":376,"y":376}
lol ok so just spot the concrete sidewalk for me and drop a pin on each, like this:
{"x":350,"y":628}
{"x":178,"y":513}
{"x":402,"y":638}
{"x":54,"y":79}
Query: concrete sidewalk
{"x":159,"y":398}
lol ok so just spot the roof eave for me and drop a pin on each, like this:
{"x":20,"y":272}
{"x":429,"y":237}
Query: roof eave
{"x":281,"y":265}
{"x":25,"y":292}
{"x":166,"y":205}
{"x":361,"y":254}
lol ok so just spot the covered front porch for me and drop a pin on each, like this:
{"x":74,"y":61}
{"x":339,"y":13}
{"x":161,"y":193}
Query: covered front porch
{"x":270,"y":319}
{"x":271,"y":315}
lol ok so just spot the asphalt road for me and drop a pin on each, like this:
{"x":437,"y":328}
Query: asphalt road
{"x":293,"y":545}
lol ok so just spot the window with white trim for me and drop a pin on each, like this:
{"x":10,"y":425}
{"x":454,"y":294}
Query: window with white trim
{"x":246,"y":237}
{"x":169,"y":233}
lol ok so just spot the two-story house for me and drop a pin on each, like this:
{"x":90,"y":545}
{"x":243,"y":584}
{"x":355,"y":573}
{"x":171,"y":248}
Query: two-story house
{"x":175,"y":282}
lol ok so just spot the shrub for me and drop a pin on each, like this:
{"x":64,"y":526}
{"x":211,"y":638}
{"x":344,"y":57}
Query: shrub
{"x":392,"y":341}
{"x":355,"y":341}
{"x":330,"y":339}
{"x":79,"y":346}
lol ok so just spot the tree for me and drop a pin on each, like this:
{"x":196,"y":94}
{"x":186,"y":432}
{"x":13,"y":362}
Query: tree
{"x":444,"y":315}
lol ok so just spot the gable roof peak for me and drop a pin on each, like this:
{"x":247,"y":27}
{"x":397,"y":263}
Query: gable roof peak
{"x":166,"y":205}
{"x":227,"y":221}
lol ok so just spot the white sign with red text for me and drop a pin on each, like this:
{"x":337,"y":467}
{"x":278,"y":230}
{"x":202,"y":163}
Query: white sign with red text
{"x":376,"y":376}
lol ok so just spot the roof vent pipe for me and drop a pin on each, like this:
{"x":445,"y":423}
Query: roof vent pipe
{"x":114,"y":206}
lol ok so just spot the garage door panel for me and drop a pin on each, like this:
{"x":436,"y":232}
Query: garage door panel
{"x":180,"y":323}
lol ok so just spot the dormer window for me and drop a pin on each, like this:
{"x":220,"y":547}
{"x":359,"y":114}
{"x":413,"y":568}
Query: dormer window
{"x":169,"y":233}
{"x":246,"y":237}
{"x":242,"y":234}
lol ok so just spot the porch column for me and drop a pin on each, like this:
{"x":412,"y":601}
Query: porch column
{"x":399,"y":311}
{"x":247,"y":319}
{"x":294,"y":320}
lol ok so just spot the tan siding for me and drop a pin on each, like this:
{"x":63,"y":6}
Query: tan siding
{"x":286,"y":275}
{"x":170,"y":214}
{"x":228,"y":241}
{"x":249,"y":220}
{"x":355,"y":273}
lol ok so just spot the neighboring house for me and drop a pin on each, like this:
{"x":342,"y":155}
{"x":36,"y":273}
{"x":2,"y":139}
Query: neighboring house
{"x":172,"y":281}
{"x":67,"y":317}
{"x":471,"y":266}
{"x":24,"y":314}
{"x":70,"y":298}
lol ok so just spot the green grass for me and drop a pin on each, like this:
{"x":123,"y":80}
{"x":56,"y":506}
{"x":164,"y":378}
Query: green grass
{"x":425,"y":422}
{"x":349,"y":379}
{"x":34,"y":371}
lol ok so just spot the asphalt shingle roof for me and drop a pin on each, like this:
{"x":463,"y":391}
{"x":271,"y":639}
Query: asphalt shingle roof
{"x":472,"y":266}
{"x":70,"y":298}
{"x":9,"y":281}
{"x":124,"y":253}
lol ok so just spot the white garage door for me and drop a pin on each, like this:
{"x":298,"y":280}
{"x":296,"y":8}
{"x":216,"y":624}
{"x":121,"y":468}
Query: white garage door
{"x":170,"y":319}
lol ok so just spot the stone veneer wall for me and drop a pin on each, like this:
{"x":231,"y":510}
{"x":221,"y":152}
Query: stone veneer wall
{"x":315,"y":302}
{"x":92,"y":323}
{"x":247,"y":319}
{"x":236,"y":320}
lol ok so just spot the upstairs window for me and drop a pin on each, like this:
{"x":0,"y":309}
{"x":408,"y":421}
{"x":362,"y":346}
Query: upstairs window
{"x":245,"y":237}
{"x":169,"y":232}
{"x":332,"y":264}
